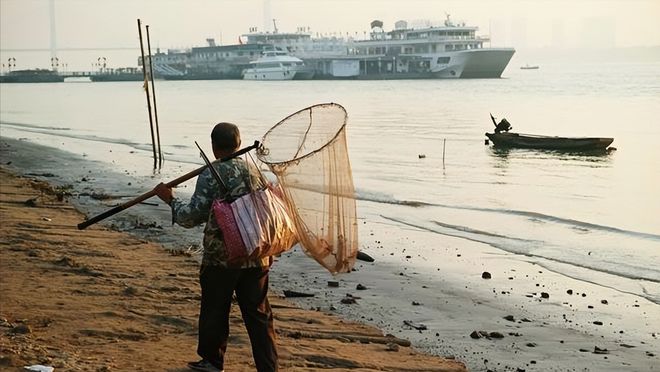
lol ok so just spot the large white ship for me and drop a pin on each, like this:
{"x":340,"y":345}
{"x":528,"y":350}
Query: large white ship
{"x":446,"y":51}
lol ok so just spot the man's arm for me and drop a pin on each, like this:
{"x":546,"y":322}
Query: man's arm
{"x":197,"y":210}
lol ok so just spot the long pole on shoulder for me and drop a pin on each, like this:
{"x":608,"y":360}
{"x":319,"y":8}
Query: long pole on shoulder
{"x":146,"y":90}
{"x":83,"y":225}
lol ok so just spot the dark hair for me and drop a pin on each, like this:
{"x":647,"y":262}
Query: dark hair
{"x":225,"y":136}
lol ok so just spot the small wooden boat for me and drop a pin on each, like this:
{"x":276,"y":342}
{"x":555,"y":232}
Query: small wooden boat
{"x":503,"y":138}
{"x":531,"y":141}
{"x":528,"y":67}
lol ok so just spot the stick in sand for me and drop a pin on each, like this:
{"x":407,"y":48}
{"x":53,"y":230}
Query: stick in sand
{"x":147,"y":195}
{"x":444,"y":142}
{"x":153,"y":95}
{"x":146,"y":90}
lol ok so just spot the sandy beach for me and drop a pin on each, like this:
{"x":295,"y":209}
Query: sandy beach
{"x":142,"y":294}
{"x":101,"y":300}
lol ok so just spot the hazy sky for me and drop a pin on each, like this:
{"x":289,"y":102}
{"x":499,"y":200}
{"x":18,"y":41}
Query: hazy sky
{"x":178,"y":23}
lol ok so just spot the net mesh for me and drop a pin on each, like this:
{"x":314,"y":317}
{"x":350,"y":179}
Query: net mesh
{"x":308,"y":153}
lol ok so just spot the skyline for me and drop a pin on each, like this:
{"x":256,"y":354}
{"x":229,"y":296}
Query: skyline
{"x":522,"y":24}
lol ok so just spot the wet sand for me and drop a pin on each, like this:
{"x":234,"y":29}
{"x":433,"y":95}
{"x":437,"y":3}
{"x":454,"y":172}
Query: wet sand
{"x":101,"y":300}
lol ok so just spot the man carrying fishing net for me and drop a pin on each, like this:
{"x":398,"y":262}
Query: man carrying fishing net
{"x":249,"y":220}
{"x":218,"y":278}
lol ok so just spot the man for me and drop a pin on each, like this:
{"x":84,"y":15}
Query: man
{"x":217,"y":278}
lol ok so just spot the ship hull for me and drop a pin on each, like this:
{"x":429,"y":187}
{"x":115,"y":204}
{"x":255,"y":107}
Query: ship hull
{"x":528,"y":141}
{"x":116,"y":77}
{"x":486,"y":63}
{"x":32,"y":78}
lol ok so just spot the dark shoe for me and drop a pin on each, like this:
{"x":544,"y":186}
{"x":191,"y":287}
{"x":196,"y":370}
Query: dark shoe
{"x":203,"y":366}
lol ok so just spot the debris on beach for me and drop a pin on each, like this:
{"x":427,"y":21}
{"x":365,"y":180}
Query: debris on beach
{"x":598,"y":350}
{"x":417,"y":326}
{"x":391,"y":346}
{"x":39,"y":368}
{"x":350,"y":299}
{"x":364,"y":257}
{"x":545,"y":295}
{"x":486,"y":275}
{"x":360,"y":287}
{"x":333,"y":283}
{"x":288,"y":294}
{"x":21,"y":329}
{"x":510,"y":318}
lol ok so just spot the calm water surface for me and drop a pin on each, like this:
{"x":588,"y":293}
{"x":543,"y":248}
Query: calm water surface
{"x":596,"y":212}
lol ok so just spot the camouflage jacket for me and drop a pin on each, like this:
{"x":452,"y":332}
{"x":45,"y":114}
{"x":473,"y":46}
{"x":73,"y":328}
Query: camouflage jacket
{"x":234,"y":174}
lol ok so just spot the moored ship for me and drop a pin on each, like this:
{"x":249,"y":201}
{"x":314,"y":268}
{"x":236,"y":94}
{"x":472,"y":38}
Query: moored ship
{"x":32,"y":76}
{"x":449,"y":51}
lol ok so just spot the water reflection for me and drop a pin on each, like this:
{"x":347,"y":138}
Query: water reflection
{"x":592,"y":158}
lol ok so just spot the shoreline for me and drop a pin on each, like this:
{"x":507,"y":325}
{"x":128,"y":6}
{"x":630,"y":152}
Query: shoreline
{"x":437,"y":281}
{"x":103,"y":300}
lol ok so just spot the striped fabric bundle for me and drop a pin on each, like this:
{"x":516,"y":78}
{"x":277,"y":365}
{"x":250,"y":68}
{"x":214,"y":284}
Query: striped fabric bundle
{"x":256,"y":225}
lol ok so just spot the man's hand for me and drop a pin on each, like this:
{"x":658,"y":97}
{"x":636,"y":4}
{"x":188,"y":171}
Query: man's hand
{"x":164,"y":193}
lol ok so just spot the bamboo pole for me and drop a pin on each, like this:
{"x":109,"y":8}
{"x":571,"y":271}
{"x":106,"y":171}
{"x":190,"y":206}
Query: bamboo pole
{"x":153,"y":95}
{"x":444,"y":142}
{"x":146,"y":90}
{"x":149,"y":194}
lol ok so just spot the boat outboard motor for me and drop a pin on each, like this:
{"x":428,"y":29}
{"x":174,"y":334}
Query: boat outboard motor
{"x":503,"y":126}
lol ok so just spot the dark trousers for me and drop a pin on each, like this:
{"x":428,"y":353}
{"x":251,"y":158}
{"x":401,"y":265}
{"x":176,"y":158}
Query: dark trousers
{"x":251,"y":286}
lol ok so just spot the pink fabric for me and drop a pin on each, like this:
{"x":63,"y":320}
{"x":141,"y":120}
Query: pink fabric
{"x":232,"y":236}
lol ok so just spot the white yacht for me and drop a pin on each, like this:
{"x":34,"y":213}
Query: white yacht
{"x":277,"y":65}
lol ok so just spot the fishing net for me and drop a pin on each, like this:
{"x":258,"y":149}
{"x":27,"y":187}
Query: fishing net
{"x":307,"y":151}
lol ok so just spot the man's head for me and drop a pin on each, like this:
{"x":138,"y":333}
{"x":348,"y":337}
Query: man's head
{"x":225,"y":139}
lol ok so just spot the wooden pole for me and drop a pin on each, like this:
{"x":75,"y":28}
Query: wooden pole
{"x":149,"y":194}
{"x":146,"y":90}
{"x":153,"y":95}
{"x":444,"y":142}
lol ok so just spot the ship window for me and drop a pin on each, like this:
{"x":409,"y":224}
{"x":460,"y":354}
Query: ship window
{"x":443,"y":60}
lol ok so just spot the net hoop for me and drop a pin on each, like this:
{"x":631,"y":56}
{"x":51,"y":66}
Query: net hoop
{"x":263,"y":152}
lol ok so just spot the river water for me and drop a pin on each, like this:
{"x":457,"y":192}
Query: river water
{"x":591,"y":217}
{"x":597,"y":211}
